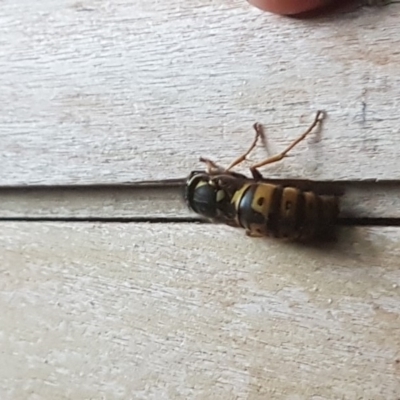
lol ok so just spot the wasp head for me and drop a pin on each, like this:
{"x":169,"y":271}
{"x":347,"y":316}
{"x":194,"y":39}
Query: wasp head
{"x":210,"y":195}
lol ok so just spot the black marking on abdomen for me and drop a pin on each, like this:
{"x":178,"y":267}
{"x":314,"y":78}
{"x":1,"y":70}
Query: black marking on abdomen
{"x":301,"y":213}
{"x":273,"y":219}
{"x":248,"y":216}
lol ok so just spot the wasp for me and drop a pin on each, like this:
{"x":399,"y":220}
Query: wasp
{"x":261,"y":207}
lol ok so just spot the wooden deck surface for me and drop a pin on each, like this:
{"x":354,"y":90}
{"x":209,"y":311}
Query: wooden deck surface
{"x":97,"y":98}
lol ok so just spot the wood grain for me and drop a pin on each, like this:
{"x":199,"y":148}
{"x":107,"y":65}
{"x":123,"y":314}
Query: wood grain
{"x":92,"y":311}
{"x":96,"y":92}
{"x":108,"y":93}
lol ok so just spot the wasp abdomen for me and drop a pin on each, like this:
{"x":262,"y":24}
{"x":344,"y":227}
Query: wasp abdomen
{"x":284,"y":212}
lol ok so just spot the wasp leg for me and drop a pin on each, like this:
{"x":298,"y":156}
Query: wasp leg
{"x":211,"y":166}
{"x":259,"y":133}
{"x":278,"y":157}
{"x":252,"y":234}
{"x":257,"y":175}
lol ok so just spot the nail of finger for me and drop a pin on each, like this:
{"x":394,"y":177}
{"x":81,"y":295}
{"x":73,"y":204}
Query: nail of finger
{"x":289,"y":7}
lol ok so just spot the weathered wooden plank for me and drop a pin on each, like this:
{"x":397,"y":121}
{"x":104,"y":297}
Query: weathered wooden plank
{"x":131,"y":91}
{"x":359,"y":200}
{"x":92,"y":310}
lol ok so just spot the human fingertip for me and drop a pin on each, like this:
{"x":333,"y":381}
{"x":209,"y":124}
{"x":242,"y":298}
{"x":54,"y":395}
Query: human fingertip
{"x":289,"y":7}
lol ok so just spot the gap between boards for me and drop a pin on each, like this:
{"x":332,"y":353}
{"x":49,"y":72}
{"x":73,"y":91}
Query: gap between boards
{"x":366,"y":203}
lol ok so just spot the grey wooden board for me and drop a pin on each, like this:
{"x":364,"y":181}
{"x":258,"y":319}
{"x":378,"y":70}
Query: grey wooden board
{"x":126,"y":91}
{"x":360,"y":200}
{"x":94,"y":311}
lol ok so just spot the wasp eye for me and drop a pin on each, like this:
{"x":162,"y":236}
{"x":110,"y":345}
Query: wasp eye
{"x":204,"y":201}
{"x":260,"y":201}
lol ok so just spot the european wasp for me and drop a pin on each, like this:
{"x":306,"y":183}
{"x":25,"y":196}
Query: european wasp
{"x":260,"y":207}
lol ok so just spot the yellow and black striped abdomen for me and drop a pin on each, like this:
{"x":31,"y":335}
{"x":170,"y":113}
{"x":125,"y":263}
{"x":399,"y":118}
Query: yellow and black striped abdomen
{"x":284,"y":212}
